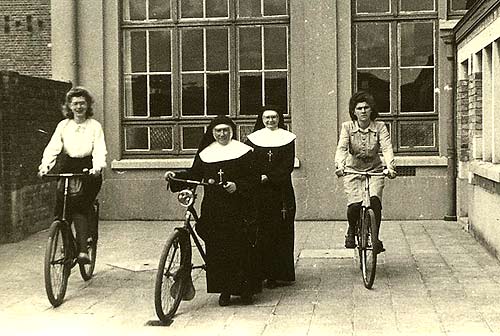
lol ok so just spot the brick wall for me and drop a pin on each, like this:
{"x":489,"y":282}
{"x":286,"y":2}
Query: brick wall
{"x":25,"y":35}
{"x":476,"y":115}
{"x":27,"y":104}
{"x":463,"y":120}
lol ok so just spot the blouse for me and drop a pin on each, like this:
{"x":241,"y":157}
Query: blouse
{"x":77,"y":141}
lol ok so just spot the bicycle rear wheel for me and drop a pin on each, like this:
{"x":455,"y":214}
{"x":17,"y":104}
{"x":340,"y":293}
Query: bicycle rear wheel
{"x":56,"y":265}
{"x":172,"y":273}
{"x":367,"y":256}
{"x":87,"y":270}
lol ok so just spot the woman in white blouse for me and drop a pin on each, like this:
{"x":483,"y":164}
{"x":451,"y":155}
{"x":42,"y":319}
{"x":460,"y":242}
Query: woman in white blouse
{"x":78,"y":143}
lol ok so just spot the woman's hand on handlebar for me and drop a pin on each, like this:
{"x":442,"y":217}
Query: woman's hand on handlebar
{"x":390,"y":173}
{"x":230,"y":187}
{"x":339,"y":172}
{"x":42,"y":171}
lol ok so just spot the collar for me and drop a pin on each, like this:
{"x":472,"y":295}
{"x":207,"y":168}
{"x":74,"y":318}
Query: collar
{"x":372,"y":127}
{"x":268,"y":138}
{"x":216,"y":152}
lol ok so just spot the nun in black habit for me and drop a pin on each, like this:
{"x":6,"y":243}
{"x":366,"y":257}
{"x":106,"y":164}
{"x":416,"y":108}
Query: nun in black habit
{"x":227,"y":220}
{"x":274,"y":152}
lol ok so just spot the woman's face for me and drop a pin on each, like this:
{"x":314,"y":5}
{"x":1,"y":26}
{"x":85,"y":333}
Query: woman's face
{"x":363,"y":111}
{"x":222,"y":134}
{"x":270,"y":119}
{"x":78,"y":106}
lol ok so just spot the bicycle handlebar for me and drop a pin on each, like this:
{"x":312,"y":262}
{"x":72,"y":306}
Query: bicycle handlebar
{"x":86,"y":174}
{"x":169,"y":178}
{"x":351,"y":171}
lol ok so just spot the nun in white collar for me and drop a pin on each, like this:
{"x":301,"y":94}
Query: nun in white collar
{"x":274,"y":153}
{"x":227,"y":210}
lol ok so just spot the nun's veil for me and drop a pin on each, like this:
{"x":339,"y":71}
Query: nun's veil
{"x":259,"y":124}
{"x":208,"y":137}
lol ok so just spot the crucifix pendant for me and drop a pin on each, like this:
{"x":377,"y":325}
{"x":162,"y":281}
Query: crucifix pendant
{"x":269,"y":155}
{"x":220,"y":173}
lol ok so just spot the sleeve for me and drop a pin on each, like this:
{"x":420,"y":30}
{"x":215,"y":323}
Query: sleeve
{"x":53,"y":149}
{"x":284,"y":168}
{"x":386,"y":146}
{"x":99,"y":151}
{"x":342,"y":147}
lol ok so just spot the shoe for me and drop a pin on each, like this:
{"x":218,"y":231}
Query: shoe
{"x":350,"y":242}
{"x":271,"y":284}
{"x":83,"y":258}
{"x":224,"y":299}
{"x":378,"y":247}
{"x":247,"y":299}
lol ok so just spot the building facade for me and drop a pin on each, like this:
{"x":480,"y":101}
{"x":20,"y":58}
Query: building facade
{"x":477,"y":40}
{"x":25,"y":35}
{"x":161,"y":69}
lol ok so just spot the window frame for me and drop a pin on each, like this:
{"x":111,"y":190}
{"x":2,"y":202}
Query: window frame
{"x":395,"y":118}
{"x":175,"y":24}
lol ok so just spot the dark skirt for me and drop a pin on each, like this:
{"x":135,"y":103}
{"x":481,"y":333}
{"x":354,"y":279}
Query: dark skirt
{"x":90,"y":186}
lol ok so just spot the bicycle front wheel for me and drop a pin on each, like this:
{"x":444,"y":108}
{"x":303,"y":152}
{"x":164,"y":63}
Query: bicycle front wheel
{"x":56,"y":265}
{"x":87,"y":270}
{"x":171,"y":276}
{"x":367,"y":256}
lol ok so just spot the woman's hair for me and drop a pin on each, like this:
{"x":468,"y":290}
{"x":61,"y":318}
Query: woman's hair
{"x":259,"y":124}
{"x":362,"y":97}
{"x":208,"y":137}
{"x":78,"y":91}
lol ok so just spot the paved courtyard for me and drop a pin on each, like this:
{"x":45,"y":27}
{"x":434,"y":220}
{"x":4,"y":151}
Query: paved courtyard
{"x":434,"y":279}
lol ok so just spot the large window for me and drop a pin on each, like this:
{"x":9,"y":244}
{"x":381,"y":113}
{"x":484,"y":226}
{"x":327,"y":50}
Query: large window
{"x":395,"y":57}
{"x":185,"y":61}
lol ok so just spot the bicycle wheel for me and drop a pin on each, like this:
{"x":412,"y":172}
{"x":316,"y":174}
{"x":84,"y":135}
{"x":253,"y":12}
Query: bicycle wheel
{"x":173,"y":268}
{"x":368,"y":258}
{"x":56,"y":265}
{"x":87,"y":270}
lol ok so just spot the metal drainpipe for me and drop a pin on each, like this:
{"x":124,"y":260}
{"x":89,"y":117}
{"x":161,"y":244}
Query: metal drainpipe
{"x":451,"y":215}
{"x":74,"y":33}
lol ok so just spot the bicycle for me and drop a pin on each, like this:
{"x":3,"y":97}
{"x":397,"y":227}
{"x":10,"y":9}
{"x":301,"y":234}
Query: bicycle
{"x":366,"y":231}
{"x":61,"y":251}
{"x":173,"y":279}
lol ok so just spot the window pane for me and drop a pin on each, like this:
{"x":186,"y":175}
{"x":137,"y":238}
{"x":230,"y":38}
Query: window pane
{"x":217,"y":94}
{"x":159,"y":50}
{"x":377,"y":82}
{"x":420,"y":5}
{"x":372,"y":6}
{"x":135,"y":49}
{"x":136,"y":138}
{"x":192,"y":49}
{"x":217,"y":49}
{"x":250,"y":93}
{"x":193,"y":101}
{"x":244,"y":131}
{"x":160,"y":98}
{"x":159,"y":9}
{"x":136,"y":96}
{"x":191,"y":137}
{"x":417,"y":134}
{"x":134,"y":9}
{"x":274,"y":7}
{"x":250,"y":48}
{"x":461,"y":4}
{"x":372,"y":45}
{"x":216,"y":8}
{"x":417,"y":90}
{"x":275,"y":41}
{"x":276,"y":89}
{"x":161,"y":138}
{"x":191,"y":8}
{"x":417,"y":43}
{"x":249,"y":8}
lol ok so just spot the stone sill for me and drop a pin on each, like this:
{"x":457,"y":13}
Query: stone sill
{"x":420,"y":161}
{"x":488,"y":170}
{"x":174,"y":163}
